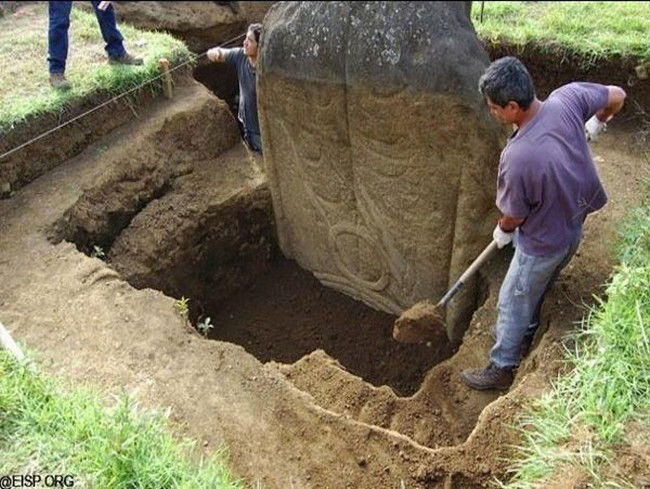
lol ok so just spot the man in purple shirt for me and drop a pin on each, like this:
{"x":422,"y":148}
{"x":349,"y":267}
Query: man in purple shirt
{"x":547,"y":184}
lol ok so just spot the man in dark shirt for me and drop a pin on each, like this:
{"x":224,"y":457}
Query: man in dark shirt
{"x":547,"y":185}
{"x":244,"y":60}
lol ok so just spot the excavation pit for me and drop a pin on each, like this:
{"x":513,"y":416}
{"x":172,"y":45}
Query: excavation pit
{"x":287,"y":314}
{"x":253,"y":296}
{"x":195,"y":219}
{"x":171,"y":223}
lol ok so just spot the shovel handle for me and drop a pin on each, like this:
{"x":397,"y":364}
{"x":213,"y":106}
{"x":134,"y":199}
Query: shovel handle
{"x":476,"y":264}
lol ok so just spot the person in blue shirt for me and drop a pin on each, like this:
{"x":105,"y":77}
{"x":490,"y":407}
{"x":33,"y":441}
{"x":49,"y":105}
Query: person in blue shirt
{"x":244,"y":60}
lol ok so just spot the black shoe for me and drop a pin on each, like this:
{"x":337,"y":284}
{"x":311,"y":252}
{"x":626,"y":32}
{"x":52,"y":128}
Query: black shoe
{"x":490,"y":377}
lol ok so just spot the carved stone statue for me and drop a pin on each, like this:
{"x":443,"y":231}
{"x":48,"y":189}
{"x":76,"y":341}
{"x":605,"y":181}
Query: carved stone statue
{"x":380,"y":152}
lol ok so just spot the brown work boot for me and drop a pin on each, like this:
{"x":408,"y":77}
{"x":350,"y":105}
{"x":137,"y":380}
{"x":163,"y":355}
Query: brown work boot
{"x":126,"y":59}
{"x":58,"y":81}
{"x":490,"y":377}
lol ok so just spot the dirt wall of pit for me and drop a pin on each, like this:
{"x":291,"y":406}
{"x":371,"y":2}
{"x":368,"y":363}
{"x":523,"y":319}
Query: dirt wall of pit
{"x":550,"y":70}
{"x":35,"y":159}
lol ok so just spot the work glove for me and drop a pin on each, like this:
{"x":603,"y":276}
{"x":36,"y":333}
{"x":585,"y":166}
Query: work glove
{"x":594,"y":127}
{"x":501,"y":237}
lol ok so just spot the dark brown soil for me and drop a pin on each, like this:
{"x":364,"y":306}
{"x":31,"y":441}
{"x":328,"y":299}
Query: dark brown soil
{"x":288,"y":314}
{"x":220,"y":79}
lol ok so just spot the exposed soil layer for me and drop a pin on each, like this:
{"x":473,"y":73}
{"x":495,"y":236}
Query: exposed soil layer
{"x":551,"y":66}
{"x":28,"y":163}
{"x":287,"y":314}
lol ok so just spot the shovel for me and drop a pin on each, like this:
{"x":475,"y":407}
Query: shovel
{"x":425,"y":321}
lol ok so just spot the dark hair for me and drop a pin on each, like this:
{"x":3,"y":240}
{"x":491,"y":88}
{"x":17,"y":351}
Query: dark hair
{"x":507,"y":79}
{"x":256,"y":29}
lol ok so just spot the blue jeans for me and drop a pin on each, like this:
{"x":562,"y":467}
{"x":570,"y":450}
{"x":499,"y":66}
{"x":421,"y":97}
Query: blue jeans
{"x":58,"y":33}
{"x":521,"y":298}
{"x":253,"y":140}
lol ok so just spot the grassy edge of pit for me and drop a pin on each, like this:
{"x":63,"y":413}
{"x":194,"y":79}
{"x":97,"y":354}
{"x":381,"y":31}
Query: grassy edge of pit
{"x":47,"y":427}
{"x":587,"y":415}
{"x":92,"y":77}
{"x":589,"y":31}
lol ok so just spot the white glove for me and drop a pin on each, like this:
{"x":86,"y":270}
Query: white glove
{"x":593,"y":128}
{"x":103,"y":6}
{"x":501,"y":237}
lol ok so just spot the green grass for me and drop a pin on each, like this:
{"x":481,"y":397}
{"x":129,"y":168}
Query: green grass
{"x":580,"y":421}
{"x":591,"y":30}
{"x":46,"y":429}
{"x":24,"y":79}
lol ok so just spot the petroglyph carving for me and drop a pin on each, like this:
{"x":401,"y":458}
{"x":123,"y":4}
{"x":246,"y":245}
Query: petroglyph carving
{"x":382,"y":176}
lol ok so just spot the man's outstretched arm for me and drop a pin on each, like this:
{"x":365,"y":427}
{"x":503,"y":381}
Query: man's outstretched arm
{"x":615,"y":102}
{"x":598,"y":122}
{"x":217,"y":55}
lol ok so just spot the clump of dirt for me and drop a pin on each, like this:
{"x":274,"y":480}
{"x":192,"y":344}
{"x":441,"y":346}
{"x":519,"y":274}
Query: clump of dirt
{"x":422,"y":322}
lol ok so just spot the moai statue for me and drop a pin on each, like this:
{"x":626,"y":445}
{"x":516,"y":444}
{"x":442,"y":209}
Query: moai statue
{"x":380,"y":152}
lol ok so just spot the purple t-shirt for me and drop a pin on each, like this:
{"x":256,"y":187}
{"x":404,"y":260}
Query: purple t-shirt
{"x":546,"y":173}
